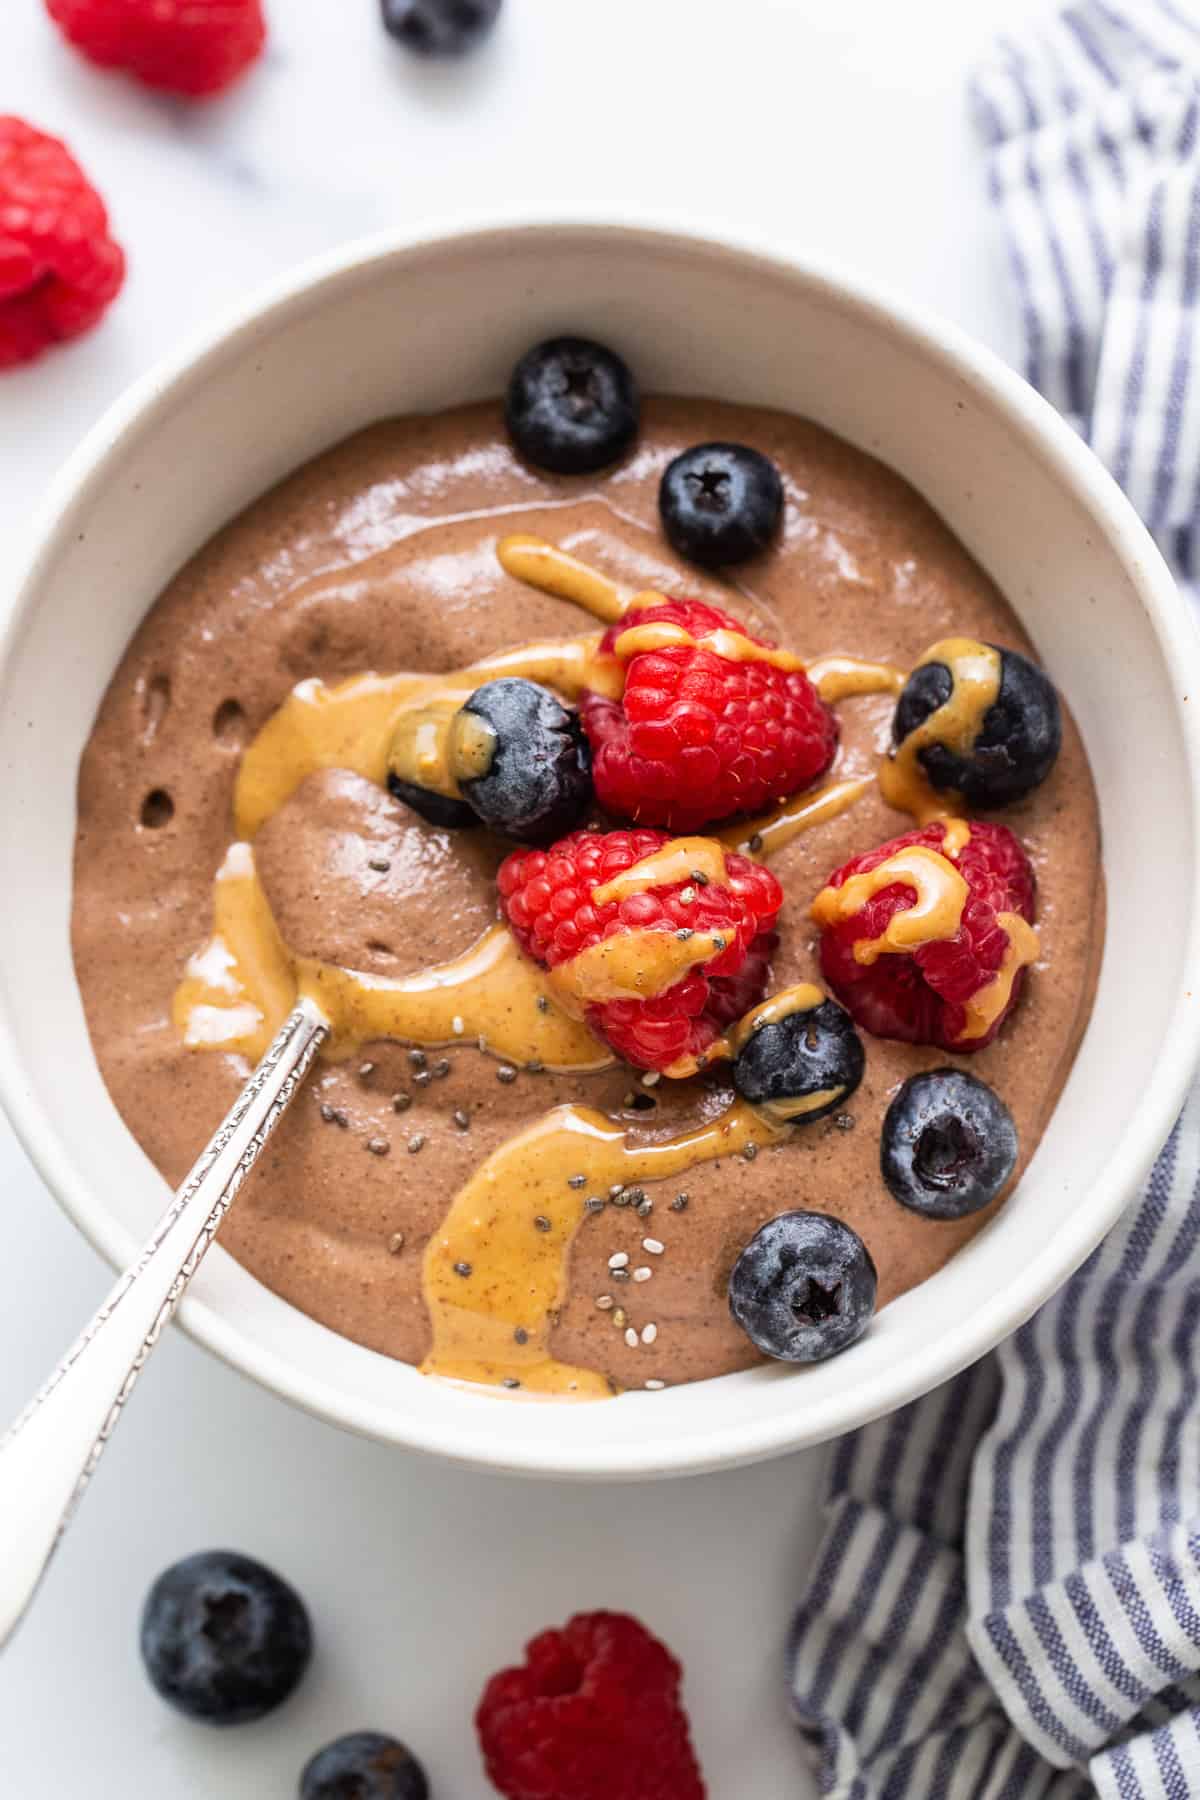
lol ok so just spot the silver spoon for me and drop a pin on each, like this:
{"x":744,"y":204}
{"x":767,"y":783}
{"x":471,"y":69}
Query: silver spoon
{"x":48,"y":1456}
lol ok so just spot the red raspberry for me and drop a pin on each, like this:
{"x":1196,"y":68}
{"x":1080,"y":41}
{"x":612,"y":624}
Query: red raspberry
{"x":698,"y":737}
{"x":547,"y":899}
{"x":59,"y":269}
{"x":594,"y":1714}
{"x":921,"y":996}
{"x":194,"y":47}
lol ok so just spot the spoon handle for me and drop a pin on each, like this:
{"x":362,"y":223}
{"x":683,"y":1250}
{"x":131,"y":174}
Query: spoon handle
{"x":48,"y":1456}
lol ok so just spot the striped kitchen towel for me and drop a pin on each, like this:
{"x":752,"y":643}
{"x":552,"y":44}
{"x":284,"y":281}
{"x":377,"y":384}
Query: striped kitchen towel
{"x":1006,"y":1604}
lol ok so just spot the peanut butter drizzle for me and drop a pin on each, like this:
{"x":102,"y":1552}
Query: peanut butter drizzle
{"x":800,"y":998}
{"x":985,"y":1007}
{"x":236,"y":992}
{"x":932,"y":916}
{"x":975,"y":677}
{"x":770,"y":832}
{"x":732,"y":646}
{"x":516,"y":1271}
{"x":699,"y":859}
{"x":351,"y":725}
{"x":632,"y":965}
{"x":840,"y":677}
{"x":544,"y":566}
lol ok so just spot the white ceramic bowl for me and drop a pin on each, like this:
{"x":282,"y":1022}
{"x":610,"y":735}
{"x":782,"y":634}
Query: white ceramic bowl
{"x":408,"y":323}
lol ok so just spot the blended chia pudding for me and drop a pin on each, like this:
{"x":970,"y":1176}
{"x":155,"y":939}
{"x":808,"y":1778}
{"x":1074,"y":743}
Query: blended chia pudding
{"x":555,"y":1141}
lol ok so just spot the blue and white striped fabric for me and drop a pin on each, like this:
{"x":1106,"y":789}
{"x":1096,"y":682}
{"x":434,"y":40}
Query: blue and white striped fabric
{"x":1006,"y":1605}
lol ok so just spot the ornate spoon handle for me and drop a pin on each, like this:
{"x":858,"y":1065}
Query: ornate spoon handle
{"x":48,"y":1456}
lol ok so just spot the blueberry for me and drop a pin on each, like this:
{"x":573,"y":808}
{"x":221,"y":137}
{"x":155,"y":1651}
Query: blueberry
{"x":571,"y":406}
{"x":223,"y":1638}
{"x":720,"y":503}
{"x":364,"y":1765}
{"x":1017,"y":742}
{"x":798,"y":1068}
{"x":948,"y":1146}
{"x":803,"y":1288}
{"x":440,"y":27}
{"x":537,"y":783}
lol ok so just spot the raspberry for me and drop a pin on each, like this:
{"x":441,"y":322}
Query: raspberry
{"x":194,"y":47}
{"x":59,"y":268}
{"x":593,"y":1713}
{"x":698,"y":736}
{"x":547,"y":899}
{"x":922,"y":996}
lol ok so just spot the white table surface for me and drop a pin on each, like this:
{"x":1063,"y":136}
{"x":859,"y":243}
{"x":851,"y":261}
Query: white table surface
{"x":829,"y":125}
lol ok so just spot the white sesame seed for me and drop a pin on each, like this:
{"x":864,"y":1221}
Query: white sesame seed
{"x":457,"y":1026}
{"x":656,"y":1387}
{"x":649,"y":1333}
{"x":642,"y":1274}
{"x":652,"y":1078}
{"x":619,"y":1259}
{"x":651,"y":1246}
{"x":604,"y":1302}
{"x":686,"y":896}
{"x":631,"y":1338}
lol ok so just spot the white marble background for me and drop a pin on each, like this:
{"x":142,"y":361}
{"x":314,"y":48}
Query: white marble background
{"x":828,"y":125}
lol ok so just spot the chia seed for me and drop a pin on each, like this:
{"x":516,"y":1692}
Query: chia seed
{"x":520,"y":1335}
{"x":845,"y":1121}
{"x":644,"y":1208}
{"x":680,"y":1203}
{"x":749,"y":1153}
{"x":510,"y":1381}
{"x":506,"y":1073}
{"x":378,"y":1146}
{"x":700,"y":878}
{"x":422,"y":1078}
{"x":542,"y":1222}
{"x":535,"y":1068}
{"x":615,"y":1189}
{"x":756,"y":843}
{"x":327,"y":1113}
{"x":415,"y":1143}
{"x":441,"y":1068}
{"x":341,"y":1117}
{"x":401,"y":1102}
{"x":618,"y":1274}
{"x":461,"y":1120}
{"x":417,"y":1058}
{"x":684,"y":933}
{"x":576,"y":1181}
{"x":380,"y":864}
{"x":634,"y":1196}
{"x":543,"y":1005}
{"x":462,"y":1268}
{"x":593,"y":1204}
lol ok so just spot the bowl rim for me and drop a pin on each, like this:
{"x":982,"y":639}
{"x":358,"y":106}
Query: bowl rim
{"x":1047,"y":436}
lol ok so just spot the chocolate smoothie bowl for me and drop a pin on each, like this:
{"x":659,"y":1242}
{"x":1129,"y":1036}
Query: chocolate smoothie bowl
{"x":700,"y":878}
{"x":372,"y":581}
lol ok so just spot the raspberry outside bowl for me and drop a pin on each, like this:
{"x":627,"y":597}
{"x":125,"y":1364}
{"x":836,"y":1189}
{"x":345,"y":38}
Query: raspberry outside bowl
{"x":423,"y":320}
